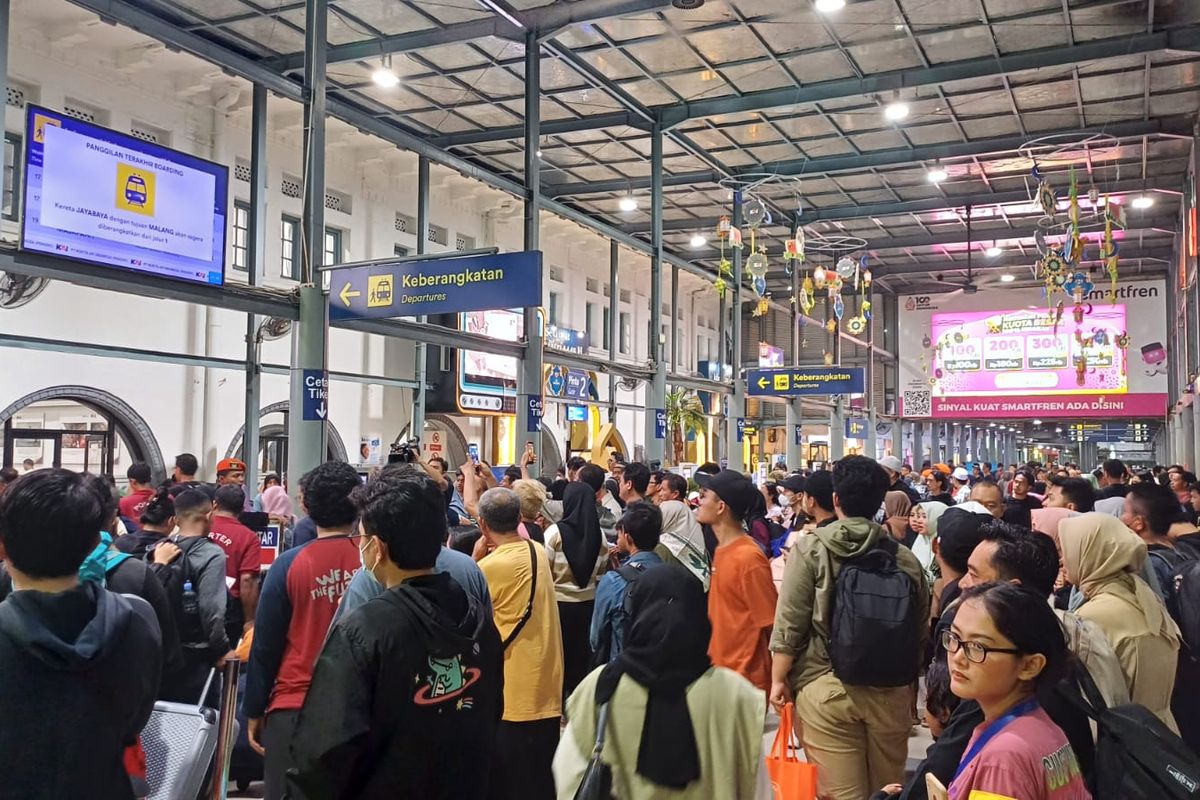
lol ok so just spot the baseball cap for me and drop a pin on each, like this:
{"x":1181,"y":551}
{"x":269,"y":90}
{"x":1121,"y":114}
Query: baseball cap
{"x":793,"y":483}
{"x":230,"y":465}
{"x":734,"y":489}
{"x":891,"y":462}
{"x":960,"y":474}
{"x":958,"y":534}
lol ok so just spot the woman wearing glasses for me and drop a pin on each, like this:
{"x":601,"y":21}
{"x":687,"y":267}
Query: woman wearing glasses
{"x":1005,"y":647}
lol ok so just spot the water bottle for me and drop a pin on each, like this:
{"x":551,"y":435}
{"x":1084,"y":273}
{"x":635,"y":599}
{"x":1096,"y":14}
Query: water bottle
{"x":191,"y":604}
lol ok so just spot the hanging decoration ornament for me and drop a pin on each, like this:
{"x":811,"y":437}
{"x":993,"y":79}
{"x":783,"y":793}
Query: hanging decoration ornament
{"x":762,"y":307}
{"x":1073,"y":249}
{"x":846,"y":268}
{"x":1053,"y":269}
{"x":856,"y":325}
{"x":1047,"y":199}
{"x":754,"y":214}
{"x":865,"y":309}
{"x":1078,"y":286}
{"x":731,"y":236}
{"x":831,"y":325}
{"x":756,"y":266}
{"x":807,"y":296}
{"x":1057,"y":316}
{"x":1121,"y":340}
{"x":829,"y":359}
{"x":820,"y":277}
{"x":839,"y":307}
{"x":793,"y":249}
{"x":1110,"y":249}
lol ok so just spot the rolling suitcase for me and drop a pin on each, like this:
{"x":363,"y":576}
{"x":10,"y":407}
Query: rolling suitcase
{"x":180,"y":740}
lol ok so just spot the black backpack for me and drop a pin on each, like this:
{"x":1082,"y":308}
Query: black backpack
{"x":630,"y":572}
{"x":1183,"y":595}
{"x":873,"y":631}
{"x":184,"y":606}
{"x":1137,"y":756}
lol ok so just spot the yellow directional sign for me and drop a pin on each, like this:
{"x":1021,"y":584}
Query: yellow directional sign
{"x":763,"y":382}
{"x":347,"y":293}
{"x":783,"y":381}
{"x":379,"y":291}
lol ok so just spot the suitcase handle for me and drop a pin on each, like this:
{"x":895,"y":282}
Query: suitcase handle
{"x":212,"y":673}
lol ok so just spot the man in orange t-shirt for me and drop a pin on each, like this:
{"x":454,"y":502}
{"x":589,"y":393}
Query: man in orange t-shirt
{"x":741,"y":599}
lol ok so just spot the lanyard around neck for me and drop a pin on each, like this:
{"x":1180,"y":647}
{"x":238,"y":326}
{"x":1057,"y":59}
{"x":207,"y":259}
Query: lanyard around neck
{"x":1019,"y":710}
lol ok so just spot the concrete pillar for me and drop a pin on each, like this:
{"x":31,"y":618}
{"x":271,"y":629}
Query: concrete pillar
{"x":530,"y":380}
{"x":306,"y":438}
{"x":795,"y":423}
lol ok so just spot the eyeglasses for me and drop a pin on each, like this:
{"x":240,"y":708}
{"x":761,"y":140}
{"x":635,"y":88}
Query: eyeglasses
{"x":976,"y":653}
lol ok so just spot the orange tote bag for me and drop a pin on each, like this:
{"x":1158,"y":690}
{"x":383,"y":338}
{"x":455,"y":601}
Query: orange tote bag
{"x":791,"y":778}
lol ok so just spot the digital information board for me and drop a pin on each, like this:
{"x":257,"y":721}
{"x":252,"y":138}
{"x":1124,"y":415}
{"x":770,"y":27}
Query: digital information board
{"x":94,"y":195}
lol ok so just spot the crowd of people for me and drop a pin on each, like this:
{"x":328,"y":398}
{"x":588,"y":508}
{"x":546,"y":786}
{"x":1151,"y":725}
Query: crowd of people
{"x":437,"y":634}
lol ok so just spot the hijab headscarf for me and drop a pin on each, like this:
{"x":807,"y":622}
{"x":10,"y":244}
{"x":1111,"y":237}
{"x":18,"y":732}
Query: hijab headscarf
{"x":1047,"y":520}
{"x":275,"y":501}
{"x":579,"y":530}
{"x":933,"y":512}
{"x":1102,"y":556}
{"x":922,"y":546}
{"x":665,"y":651}
{"x":684,"y":538}
{"x":896,"y":506}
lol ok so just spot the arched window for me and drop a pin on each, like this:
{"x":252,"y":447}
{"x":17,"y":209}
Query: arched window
{"x":272,"y":441}
{"x":79,"y":428}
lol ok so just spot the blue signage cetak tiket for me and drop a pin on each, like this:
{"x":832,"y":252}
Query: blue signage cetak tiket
{"x":797,"y":381}
{"x":660,"y":423}
{"x":534,"y":409}
{"x":856,"y":428}
{"x":741,"y":429}
{"x":316,"y":395}
{"x":439,"y":286}
{"x":799,"y":433}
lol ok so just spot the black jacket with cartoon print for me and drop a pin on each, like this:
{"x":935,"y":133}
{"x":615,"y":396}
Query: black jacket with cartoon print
{"x":405,"y":700}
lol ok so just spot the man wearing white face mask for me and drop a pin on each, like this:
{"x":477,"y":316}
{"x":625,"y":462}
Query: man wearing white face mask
{"x":791,"y":497}
{"x":298,"y":601}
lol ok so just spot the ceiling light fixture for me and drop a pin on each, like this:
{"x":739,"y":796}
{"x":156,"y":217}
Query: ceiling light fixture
{"x":993,"y":252}
{"x":628,"y":203}
{"x":829,"y":6}
{"x":1007,"y":278}
{"x":897,"y":109}
{"x":937,"y":174}
{"x":699,"y":241}
{"x":384,"y":77}
{"x":1142,"y":202}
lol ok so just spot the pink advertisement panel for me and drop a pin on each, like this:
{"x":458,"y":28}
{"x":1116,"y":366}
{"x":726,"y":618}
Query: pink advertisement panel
{"x":1026,"y":353}
{"x":1053,"y":406}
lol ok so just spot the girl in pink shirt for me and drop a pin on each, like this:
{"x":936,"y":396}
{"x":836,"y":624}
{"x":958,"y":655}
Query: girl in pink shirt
{"x":1005,"y":645}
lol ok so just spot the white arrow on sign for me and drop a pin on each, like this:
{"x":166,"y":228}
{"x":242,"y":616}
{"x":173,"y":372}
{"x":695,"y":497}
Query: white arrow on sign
{"x":322,"y":411}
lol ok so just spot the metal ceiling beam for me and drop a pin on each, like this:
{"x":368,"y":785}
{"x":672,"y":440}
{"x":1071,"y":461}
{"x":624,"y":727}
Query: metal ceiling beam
{"x":926,"y":267}
{"x":1184,"y":39}
{"x":873,"y":210}
{"x":549,"y":128}
{"x":155,"y":27}
{"x":547,"y":21}
{"x":407,"y":42}
{"x":1176,"y":39}
{"x":879,"y":158}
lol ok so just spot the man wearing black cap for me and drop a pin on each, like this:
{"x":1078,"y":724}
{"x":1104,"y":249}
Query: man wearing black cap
{"x":791,"y":489}
{"x":741,"y":599}
{"x":958,"y":534}
{"x":818,"y":498}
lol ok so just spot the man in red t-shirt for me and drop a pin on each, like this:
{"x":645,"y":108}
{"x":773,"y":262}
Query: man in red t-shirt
{"x":140,"y":492}
{"x":299,"y":599}
{"x":243,"y":560}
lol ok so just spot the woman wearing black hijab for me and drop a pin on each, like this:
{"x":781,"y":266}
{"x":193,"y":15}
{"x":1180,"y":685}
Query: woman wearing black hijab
{"x":578,"y":553}
{"x":674,"y":720}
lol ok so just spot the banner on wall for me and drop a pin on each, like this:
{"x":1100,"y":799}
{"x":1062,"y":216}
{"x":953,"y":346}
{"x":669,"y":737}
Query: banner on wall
{"x":1004,"y":354}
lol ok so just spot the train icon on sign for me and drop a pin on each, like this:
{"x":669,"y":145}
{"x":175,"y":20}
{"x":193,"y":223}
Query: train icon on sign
{"x":135,"y":191}
{"x":379,"y":291}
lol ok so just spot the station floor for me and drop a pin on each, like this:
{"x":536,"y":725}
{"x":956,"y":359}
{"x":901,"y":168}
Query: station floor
{"x":917,"y":745}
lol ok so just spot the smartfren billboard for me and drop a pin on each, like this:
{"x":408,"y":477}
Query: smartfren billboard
{"x":1007,"y":353}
